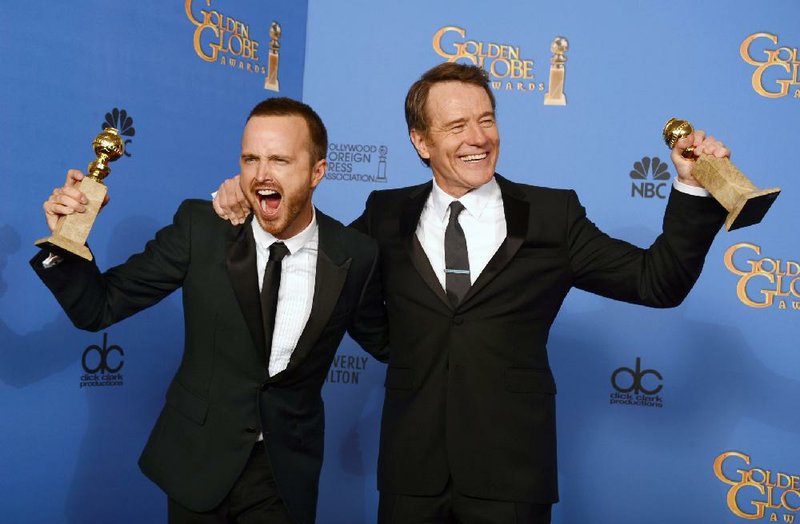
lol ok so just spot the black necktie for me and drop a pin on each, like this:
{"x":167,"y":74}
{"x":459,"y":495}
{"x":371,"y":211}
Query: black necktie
{"x":456,"y":261}
{"x":269,"y":291}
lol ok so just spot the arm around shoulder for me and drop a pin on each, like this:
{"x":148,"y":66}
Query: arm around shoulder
{"x":369,"y":325}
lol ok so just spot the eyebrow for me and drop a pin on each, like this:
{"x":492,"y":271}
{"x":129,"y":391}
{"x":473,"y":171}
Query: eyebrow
{"x":455,"y":122}
{"x":463,"y":120}
{"x":273,"y":156}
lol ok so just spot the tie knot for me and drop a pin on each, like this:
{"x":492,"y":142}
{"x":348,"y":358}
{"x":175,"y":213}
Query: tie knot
{"x":277,"y":251}
{"x":456,"y":208}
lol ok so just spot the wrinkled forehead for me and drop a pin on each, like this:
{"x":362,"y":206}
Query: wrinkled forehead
{"x":454,"y":100}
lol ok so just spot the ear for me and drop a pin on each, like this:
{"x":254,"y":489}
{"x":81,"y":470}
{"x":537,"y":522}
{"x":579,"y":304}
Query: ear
{"x":420,"y":144}
{"x":318,"y":172}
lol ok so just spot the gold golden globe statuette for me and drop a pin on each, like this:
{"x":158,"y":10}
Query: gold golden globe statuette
{"x":555,"y":90}
{"x":71,"y":231}
{"x":746,"y":204}
{"x":271,"y":82}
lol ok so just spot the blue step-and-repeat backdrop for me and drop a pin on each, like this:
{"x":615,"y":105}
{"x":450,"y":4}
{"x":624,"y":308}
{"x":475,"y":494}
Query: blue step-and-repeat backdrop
{"x":681,"y":415}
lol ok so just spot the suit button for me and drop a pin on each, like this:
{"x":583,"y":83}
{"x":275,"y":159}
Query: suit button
{"x":250,"y":429}
{"x":458,"y":320}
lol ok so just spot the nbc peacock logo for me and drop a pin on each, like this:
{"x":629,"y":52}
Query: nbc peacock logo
{"x":649,"y":178}
{"x":120,"y":120}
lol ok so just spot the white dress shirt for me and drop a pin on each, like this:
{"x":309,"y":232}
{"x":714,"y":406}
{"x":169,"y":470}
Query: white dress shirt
{"x":296,"y":292}
{"x":483,"y":221}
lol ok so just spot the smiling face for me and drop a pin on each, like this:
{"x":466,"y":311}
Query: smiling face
{"x":277,"y":173}
{"x":462,"y":142}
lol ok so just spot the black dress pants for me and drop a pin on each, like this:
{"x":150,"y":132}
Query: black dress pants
{"x":254,"y":498}
{"x":452,"y":507}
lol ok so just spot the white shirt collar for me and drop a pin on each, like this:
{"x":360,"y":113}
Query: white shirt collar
{"x":475,"y":201}
{"x":264,"y":239}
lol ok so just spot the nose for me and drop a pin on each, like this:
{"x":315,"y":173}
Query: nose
{"x":263,"y":172}
{"x":475,"y":134}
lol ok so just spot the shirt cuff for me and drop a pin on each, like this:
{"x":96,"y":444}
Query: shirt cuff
{"x":52,"y":260}
{"x":690,"y":190}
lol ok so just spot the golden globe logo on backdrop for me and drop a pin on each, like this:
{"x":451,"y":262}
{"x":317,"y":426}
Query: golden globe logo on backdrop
{"x":508,"y":69}
{"x":225,"y":40}
{"x":763,"y":281}
{"x":757,"y":493}
{"x":777,"y":67}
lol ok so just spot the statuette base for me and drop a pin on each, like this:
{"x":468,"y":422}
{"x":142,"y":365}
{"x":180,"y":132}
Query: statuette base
{"x":72,"y":230}
{"x":751,"y":209}
{"x":746,"y":204}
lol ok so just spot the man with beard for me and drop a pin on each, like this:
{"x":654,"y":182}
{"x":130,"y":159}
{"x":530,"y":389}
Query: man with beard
{"x":474,"y":270}
{"x":241,"y":436}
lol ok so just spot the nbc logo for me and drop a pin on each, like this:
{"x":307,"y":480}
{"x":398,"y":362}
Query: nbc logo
{"x":649,"y":178}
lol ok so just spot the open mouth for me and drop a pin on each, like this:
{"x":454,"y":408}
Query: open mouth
{"x":472,"y":159}
{"x":269,"y":201}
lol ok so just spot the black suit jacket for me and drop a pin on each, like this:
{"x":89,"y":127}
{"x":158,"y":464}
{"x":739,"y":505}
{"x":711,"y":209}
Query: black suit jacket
{"x":469,"y":391}
{"x":221,"y":396}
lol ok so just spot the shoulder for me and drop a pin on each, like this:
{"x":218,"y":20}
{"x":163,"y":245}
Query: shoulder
{"x":348,"y":239}
{"x":202,"y":212}
{"x":536,"y":194}
{"x":398,"y":194}
{"x":195,"y":206}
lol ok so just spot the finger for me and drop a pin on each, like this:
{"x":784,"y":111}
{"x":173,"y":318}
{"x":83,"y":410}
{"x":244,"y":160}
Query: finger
{"x":712,"y":146}
{"x":61,"y":201}
{"x":722,"y":152}
{"x":684,"y":142}
{"x":61,"y":209}
{"x":74,"y":194}
{"x":239,"y":210}
{"x":217,"y":209}
{"x":235,"y":209}
{"x":73,"y":178}
{"x":70,"y":193}
{"x":699,"y":137}
{"x":59,"y":204}
{"x":683,"y":151}
{"x":244,"y":204}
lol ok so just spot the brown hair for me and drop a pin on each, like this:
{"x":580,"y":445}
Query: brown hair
{"x":417,"y":97}
{"x":283,"y":106}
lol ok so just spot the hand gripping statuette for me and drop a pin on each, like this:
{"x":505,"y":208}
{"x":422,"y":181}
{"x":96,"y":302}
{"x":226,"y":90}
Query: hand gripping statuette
{"x":72,"y":231}
{"x":746,"y":204}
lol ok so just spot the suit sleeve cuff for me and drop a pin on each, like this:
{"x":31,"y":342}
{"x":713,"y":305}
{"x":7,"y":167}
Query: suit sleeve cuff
{"x":690,"y":190}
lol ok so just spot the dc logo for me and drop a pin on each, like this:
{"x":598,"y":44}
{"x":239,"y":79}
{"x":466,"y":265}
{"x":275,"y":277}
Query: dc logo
{"x":636,"y":383}
{"x":96,"y":358}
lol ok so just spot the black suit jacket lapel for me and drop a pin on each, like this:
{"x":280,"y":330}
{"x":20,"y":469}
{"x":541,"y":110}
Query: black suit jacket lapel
{"x":241,"y":262}
{"x":517,"y":212}
{"x":409,"y":220}
{"x":332,"y":266}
